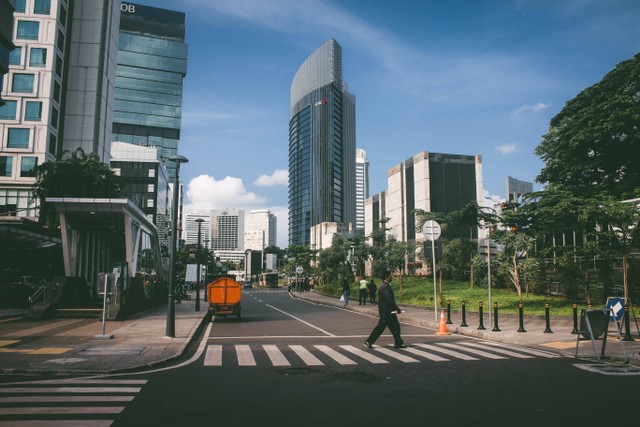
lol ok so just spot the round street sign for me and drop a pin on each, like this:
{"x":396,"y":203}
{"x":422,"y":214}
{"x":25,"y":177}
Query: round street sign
{"x":431,"y":230}
{"x":299,"y":270}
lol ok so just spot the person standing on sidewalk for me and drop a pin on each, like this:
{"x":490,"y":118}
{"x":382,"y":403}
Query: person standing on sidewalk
{"x":362,"y":295}
{"x":346,"y":288}
{"x":388,"y":311}
{"x":373,"y":289}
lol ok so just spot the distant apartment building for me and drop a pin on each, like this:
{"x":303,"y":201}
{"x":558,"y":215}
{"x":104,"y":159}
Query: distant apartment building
{"x":58,"y":90}
{"x":260,"y":230}
{"x":151,"y":67}
{"x":432,"y":182}
{"x":227,"y":230}
{"x":191,"y":229}
{"x":321,"y":145}
{"x":362,"y":187}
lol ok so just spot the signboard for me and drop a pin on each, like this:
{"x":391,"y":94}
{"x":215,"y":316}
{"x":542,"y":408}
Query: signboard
{"x":431,"y":230}
{"x":615,"y":306}
{"x":299,"y":270}
{"x":191,"y":274}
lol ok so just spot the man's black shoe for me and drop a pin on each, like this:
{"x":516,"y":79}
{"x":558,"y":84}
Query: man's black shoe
{"x":400,"y":346}
{"x":368,"y":344}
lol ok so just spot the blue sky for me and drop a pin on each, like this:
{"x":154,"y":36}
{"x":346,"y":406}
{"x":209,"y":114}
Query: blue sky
{"x":450,"y":76}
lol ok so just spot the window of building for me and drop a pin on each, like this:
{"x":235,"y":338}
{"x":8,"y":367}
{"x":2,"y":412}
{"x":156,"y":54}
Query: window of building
{"x":23,"y":83}
{"x":149,"y":203}
{"x":18,"y":138}
{"x":28,"y":167}
{"x":54,"y":117}
{"x":6,"y":164}
{"x":60,"y":42}
{"x":8,"y":110}
{"x":58,"y":66}
{"x":37,"y":57}
{"x":62,"y":16}
{"x":150,"y":188}
{"x":28,"y":30}
{"x":42,"y":7}
{"x":15,"y":56}
{"x":21,"y":6}
{"x":33,"y":111}
{"x":152,"y":173}
{"x":53,"y":141}
{"x":56,"y":91}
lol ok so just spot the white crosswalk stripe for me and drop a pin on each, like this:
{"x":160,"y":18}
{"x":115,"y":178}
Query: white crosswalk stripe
{"x":99,"y":399}
{"x":349,"y":355}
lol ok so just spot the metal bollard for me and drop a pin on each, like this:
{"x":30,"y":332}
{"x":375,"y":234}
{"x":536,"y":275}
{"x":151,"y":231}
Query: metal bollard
{"x":481,"y":326}
{"x":521,"y":318}
{"x":449,"y":322}
{"x":575,"y":319}
{"x":464,"y":316}
{"x":496,"y":328}
{"x":546,"y":315}
{"x":627,"y":325}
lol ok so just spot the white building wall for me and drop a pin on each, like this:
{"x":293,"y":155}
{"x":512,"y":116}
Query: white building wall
{"x":395,"y":202}
{"x":260,"y":230}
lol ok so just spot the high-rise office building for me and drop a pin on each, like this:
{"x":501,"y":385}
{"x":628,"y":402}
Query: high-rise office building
{"x":191,"y":229}
{"x":58,"y":90}
{"x":362,"y":186}
{"x":227,"y":230}
{"x":6,"y":33}
{"x":260,"y":230}
{"x":152,"y":64}
{"x":321,"y":145}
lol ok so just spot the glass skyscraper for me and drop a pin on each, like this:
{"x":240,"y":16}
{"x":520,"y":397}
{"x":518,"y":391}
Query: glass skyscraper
{"x":321,"y":145}
{"x":152,"y":63}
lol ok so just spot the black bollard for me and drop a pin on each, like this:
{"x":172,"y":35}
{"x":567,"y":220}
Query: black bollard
{"x":481,"y":326}
{"x":575,"y":319}
{"x":546,"y":315}
{"x":627,"y":325}
{"x":449,"y":322}
{"x":496,"y":328}
{"x":521,"y":318}
{"x":464,"y":316}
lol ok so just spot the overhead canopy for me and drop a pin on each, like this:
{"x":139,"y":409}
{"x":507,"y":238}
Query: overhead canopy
{"x":18,"y":234}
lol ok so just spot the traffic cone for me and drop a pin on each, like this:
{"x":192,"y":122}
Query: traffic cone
{"x":442,"y":328}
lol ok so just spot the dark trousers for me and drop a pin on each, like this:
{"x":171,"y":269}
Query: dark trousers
{"x":387,"y":321}
{"x":362,"y":296}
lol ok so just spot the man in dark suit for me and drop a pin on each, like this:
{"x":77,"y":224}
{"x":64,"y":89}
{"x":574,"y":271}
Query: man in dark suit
{"x":388,"y":311}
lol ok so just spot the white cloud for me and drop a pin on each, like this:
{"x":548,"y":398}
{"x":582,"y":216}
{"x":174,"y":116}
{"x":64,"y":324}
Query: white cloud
{"x":526,"y":108}
{"x":205,"y":193}
{"x":278,"y":177}
{"x":506,"y":148}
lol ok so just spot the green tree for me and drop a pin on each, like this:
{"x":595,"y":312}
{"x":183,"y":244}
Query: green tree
{"x":593,"y":144}
{"x":74,"y":174}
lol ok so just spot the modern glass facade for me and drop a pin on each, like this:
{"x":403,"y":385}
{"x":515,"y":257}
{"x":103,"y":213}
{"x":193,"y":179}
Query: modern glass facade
{"x":321,"y":145}
{"x":152,"y":63}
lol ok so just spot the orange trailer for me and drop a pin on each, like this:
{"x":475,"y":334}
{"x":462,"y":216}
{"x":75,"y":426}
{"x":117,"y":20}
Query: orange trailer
{"x":224,"y":295}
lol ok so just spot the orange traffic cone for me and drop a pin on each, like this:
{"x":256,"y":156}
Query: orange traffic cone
{"x":442,"y":328}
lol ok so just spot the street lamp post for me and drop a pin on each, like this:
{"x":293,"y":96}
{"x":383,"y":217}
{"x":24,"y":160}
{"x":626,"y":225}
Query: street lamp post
{"x":171,"y":313}
{"x":199,"y":221}
{"x":206,"y":247}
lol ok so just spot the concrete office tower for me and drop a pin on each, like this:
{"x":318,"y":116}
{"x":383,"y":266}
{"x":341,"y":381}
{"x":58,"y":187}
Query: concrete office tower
{"x":191,"y":229}
{"x":362,"y":187}
{"x":6,"y":34}
{"x":432,"y":182}
{"x":152,"y":64}
{"x":260,"y":230}
{"x":227,"y":230}
{"x":321,"y":145}
{"x":58,"y":90}
{"x":515,"y":189}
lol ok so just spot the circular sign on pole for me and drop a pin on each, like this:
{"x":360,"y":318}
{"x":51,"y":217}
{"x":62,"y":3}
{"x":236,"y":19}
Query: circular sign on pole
{"x":299,"y":269}
{"x":431,"y":230}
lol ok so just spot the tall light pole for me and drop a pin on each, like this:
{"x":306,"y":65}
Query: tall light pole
{"x":206,"y":247}
{"x":171,"y":313}
{"x":199,"y":221}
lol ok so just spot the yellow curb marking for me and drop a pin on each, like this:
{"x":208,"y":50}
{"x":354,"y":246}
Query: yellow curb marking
{"x":43,"y":350}
{"x":560,"y":344}
{"x":49,"y":350}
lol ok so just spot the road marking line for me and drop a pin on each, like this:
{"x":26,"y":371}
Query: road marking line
{"x":14,"y":390}
{"x":396,"y":355}
{"x":540,"y":353}
{"x":306,"y":356}
{"x":213,"y":357}
{"x":451,"y":353}
{"x":57,"y":399}
{"x":473,"y":351}
{"x":426,"y":355}
{"x":245,"y":357}
{"x":500,"y":351}
{"x":341,"y":359}
{"x":276,"y":356}
{"x":365,"y":355}
{"x":62,"y":410}
{"x":300,"y":320}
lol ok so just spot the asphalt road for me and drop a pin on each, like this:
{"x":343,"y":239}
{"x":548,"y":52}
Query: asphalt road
{"x":290,"y":363}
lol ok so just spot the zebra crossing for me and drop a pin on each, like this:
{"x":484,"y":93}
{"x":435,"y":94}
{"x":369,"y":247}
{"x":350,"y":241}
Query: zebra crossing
{"x":66,"y":402}
{"x":246,"y":355}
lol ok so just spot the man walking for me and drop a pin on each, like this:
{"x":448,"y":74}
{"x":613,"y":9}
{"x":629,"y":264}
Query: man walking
{"x":388,"y":311}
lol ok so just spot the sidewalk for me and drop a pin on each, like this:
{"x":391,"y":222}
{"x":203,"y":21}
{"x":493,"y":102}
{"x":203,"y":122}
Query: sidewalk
{"x":69,"y":346}
{"x":559,"y":339}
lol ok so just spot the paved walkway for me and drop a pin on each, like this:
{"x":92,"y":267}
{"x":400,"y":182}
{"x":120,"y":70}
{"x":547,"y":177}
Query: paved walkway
{"x":70,"y":346}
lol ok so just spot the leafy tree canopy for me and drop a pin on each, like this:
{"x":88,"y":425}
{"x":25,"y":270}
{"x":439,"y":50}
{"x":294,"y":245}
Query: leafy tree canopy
{"x":593,"y":144}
